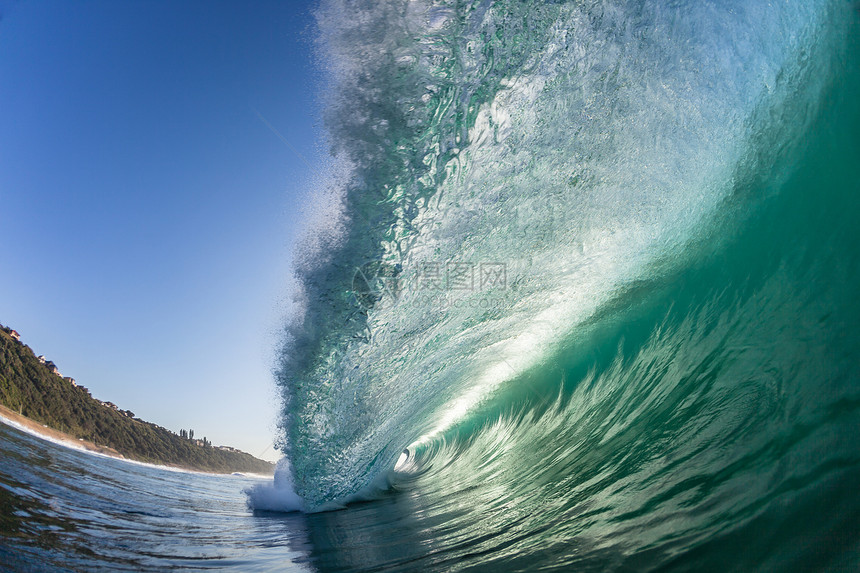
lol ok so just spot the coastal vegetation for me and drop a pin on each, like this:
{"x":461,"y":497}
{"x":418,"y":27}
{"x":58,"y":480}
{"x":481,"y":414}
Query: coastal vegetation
{"x":34,"y":388}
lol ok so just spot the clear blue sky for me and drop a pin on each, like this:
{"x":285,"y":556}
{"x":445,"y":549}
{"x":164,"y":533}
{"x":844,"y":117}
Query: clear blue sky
{"x":147,"y":213}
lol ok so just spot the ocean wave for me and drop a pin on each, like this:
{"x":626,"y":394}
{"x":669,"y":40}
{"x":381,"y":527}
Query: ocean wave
{"x":507,"y":172}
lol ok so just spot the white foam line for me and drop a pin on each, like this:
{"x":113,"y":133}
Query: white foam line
{"x":79,"y":448}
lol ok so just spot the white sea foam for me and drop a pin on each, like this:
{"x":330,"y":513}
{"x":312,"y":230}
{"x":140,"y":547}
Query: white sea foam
{"x":278,"y":494}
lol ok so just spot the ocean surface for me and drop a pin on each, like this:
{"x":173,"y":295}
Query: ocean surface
{"x":63,"y":509}
{"x":580,"y":294}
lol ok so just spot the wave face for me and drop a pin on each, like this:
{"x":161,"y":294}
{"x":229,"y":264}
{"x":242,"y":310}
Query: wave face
{"x":588,"y":267}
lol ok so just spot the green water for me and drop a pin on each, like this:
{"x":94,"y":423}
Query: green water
{"x":669,"y":380}
{"x":665,"y":380}
{"x":707,"y":420}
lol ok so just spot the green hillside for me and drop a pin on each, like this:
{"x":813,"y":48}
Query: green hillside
{"x":31,"y":388}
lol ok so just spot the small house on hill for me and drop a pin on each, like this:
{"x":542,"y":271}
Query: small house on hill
{"x":53,"y":368}
{"x":14,"y":334}
{"x":41,"y":358}
{"x":70,"y":380}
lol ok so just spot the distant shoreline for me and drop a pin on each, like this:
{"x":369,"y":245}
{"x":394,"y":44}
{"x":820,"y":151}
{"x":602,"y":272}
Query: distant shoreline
{"x":25,"y":424}
{"x":12,"y":418}
{"x":37,"y":399}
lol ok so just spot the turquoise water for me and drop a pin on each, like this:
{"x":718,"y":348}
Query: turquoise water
{"x":66,"y":510}
{"x":589,"y":274}
{"x":581,"y":295}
